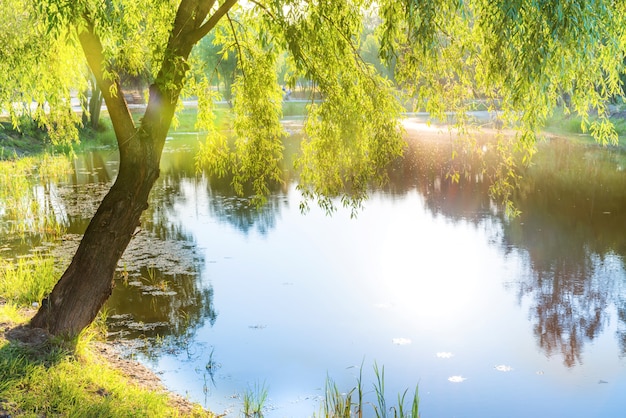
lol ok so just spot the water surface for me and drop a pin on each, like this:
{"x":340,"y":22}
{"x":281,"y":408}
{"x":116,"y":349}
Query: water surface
{"x":491,"y":316}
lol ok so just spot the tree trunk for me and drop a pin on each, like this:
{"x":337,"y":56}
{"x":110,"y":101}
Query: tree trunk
{"x":88,"y":281}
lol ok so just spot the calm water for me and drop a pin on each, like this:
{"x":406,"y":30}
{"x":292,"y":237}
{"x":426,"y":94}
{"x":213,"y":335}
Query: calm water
{"x":492,"y":317}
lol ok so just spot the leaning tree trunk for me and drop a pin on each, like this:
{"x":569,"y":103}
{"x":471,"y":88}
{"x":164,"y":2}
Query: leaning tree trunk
{"x":88,"y":281}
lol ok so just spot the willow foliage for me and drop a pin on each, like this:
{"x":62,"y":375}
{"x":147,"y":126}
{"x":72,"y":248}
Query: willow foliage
{"x":37,"y":73}
{"x":351,"y":135}
{"x":520,"y":57}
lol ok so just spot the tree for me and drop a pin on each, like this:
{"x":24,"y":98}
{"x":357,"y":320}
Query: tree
{"x":219,"y":65}
{"x":92,"y":104}
{"x":121,"y":34}
{"x":37,"y":73}
{"x":446,"y":53}
{"x":515,"y":56}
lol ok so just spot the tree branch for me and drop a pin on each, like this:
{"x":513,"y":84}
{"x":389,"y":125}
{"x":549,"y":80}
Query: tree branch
{"x":241,"y":56}
{"x":265,"y":9}
{"x":122,"y":121}
{"x":199,"y":33}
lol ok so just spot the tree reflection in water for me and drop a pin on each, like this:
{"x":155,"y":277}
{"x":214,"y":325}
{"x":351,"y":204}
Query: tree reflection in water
{"x":570,"y":232}
{"x":572,"y":203}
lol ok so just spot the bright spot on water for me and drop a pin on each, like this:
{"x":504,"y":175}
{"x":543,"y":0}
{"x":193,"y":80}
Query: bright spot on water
{"x":457,"y":379}
{"x":503,"y":368}
{"x":401,"y":341}
{"x":444,"y":354}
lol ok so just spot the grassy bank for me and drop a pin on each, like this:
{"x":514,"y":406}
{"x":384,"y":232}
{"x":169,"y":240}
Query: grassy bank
{"x":561,"y":123}
{"x":54,"y":377}
{"x":31,"y":141}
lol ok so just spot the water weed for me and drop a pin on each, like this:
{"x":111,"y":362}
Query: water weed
{"x":337,"y":404}
{"x":254,"y":400}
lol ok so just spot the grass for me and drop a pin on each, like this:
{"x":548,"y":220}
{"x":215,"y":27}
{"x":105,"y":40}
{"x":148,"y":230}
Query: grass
{"x":57,"y":377}
{"x":561,"y":123}
{"x":51,"y":381}
{"x":27,"y":280}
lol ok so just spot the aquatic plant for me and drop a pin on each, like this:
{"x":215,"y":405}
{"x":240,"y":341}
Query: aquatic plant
{"x":254,"y":400}
{"x":337,"y":404}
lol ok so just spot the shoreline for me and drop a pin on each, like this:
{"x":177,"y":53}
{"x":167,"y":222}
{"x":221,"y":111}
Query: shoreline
{"x":105,"y":352}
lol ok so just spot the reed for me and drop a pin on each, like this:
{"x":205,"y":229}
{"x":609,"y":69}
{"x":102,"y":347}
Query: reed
{"x":338,"y":404}
{"x":254,"y":401}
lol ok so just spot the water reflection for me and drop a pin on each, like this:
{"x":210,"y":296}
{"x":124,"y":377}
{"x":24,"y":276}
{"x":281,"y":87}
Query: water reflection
{"x":160,"y":300}
{"x":572,"y":202}
{"x":569,"y":238}
{"x":155,"y":303}
{"x":571,"y":233}
{"x":425,"y":167}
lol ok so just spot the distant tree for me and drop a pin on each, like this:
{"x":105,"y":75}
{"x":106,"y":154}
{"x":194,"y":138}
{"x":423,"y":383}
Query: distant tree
{"x":37,"y":73}
{"x":370,"y":51}
{"x":92,"y":103}
{"x":218,"y":64}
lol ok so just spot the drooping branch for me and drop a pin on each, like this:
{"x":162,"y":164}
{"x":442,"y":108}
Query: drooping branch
{"x":232,"y":28}
{"x":121,"y":118}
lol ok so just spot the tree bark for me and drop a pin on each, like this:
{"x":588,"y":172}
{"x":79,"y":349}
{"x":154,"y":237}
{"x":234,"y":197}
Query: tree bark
{"x":88,"y":281}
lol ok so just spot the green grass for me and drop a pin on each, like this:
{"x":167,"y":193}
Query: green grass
{"x":291,"y":108}
{"x":57,"y":377}
{"x":13,"y":144}
{"x":103,"y":136}
{"x":27,"y":280}
{"x":52,"y":381}
{"x":185,"y":120}
{"x":561,"y":123}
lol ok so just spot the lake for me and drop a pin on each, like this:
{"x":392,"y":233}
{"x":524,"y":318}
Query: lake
{"x":490,"y":315}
